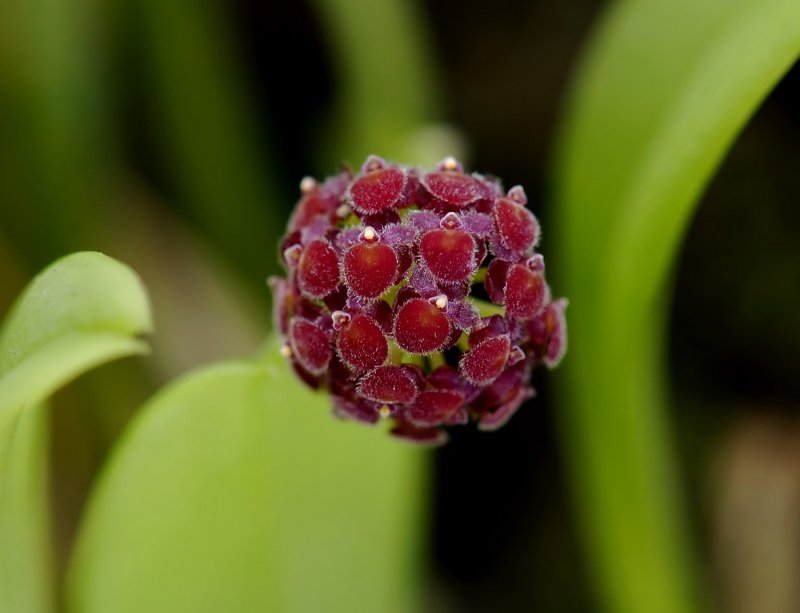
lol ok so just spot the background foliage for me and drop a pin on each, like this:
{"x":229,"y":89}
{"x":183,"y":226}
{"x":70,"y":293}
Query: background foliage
{"x":663,"y":473}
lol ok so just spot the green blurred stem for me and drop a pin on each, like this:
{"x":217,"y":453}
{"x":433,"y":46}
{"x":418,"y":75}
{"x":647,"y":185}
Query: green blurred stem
{"x":387,"y":86}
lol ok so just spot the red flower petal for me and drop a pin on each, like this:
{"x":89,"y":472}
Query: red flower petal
{"x":525,"y":292}
{"x":421,"y":436}
{"x":356,"y":411}
{"x":557,"y":325}
{"x":378,"y":190}
{"x":448,"y":254}
{"x":389,"y":385}
{"x":453,"y":188}
{"x":370,"y":268}
{"x":516,"y":225}
{"x":500,"y":416}
{"x":318,"y":269}
{"x":282,"y":300}
{"x":310,"y":344}
{"x":495,"y":282}
{"x":432,"y":407}
{"x":488,"y":327}
{"x":484,"y":363}
{"x":361,"y":343}
{"x":421,"y":327}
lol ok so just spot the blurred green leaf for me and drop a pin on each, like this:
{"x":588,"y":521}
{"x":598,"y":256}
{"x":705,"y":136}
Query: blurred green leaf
{"x":55,"y":145}
{"x":388,"y":88}
{"x":82,"y":311}
{"x":235,"y":490}
{"x":208,"y":128}
{"x":664,"y":90}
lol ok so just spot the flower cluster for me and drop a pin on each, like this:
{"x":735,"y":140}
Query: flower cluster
{"x":417,"y":297}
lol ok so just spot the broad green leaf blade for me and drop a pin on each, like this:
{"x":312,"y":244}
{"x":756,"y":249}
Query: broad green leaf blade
{"x":83,"y":310}
{"x":664,"y":90}
{"x":235,"y":490}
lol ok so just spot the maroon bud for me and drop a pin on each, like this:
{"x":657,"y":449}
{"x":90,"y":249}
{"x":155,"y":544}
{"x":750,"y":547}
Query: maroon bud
{"x":310,"y":345}
{"x":453,"y":188}
{"x":421,"y":327}
{"x":448,"y":254}
{"x":318,"y":269}
{"x":484,"y":363}
{"x":370,"y":268}
{"x":354,"y":410}
{"x":432,"y":407}
{"x":389,"y":385}
{"x":516,"y":225}
{"x":495,"y":282}
{"x":489,"y":327}
{"x":361,"y":343}
{"x":377,"y":190}
{"x":422,"y":436}
{"x":282,"y":303}
{"x":525,"y":292}
{"x":557,"y":327}
{"x":500,"y":416}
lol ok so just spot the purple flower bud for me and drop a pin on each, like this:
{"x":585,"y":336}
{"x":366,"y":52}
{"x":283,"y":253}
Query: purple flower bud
{"x":380,"y":271}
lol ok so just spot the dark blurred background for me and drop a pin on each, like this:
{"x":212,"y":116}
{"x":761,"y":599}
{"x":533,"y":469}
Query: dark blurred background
{"x":173,"y":135}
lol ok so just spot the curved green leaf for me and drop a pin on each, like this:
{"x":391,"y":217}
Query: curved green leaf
{"x":83,"y":310}
{"x":234,"y":490}
{"x":665,"y":88}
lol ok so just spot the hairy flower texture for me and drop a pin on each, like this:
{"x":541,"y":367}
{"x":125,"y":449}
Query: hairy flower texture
{"x":417,"y":297}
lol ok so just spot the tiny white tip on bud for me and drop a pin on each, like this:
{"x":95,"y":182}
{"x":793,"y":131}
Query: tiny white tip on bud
{"x":308,"y":184}
{"x":343,"y":211}
{"x":286,"y":351}
{"x":369,"y":235}
{"x":451,"y":221}
{"x":517,"y":194}
{"x":292,"y":254}
{"x":440,"y":301}
{"x":340,"y":319}
{"x":384,"y":411}
{"x":449,"y":163}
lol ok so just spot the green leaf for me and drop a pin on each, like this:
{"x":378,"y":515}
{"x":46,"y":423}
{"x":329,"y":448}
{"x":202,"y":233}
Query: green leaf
{"x":82,"y":311}
{"x":234,"y":490}
{"x":664,"y":90}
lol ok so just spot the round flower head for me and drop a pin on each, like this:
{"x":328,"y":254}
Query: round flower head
{"x":417,"y":297}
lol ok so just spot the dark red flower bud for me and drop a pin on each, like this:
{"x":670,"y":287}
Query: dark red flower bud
{"x":525,"y":292}
{"x":449,"y":254}
{"x":486,"y":361}
{"x":389,"y":385}
{"x":310,"y":344}
{"x":380,"y":271}
{"x":378,"y":189}
{"x":361,"y":343}
{"x":421,"y":326}
{"x":318,"y":269}
{"x":370,"y":268}
{"x":433,"y":407}
{"x":516,"y":226}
